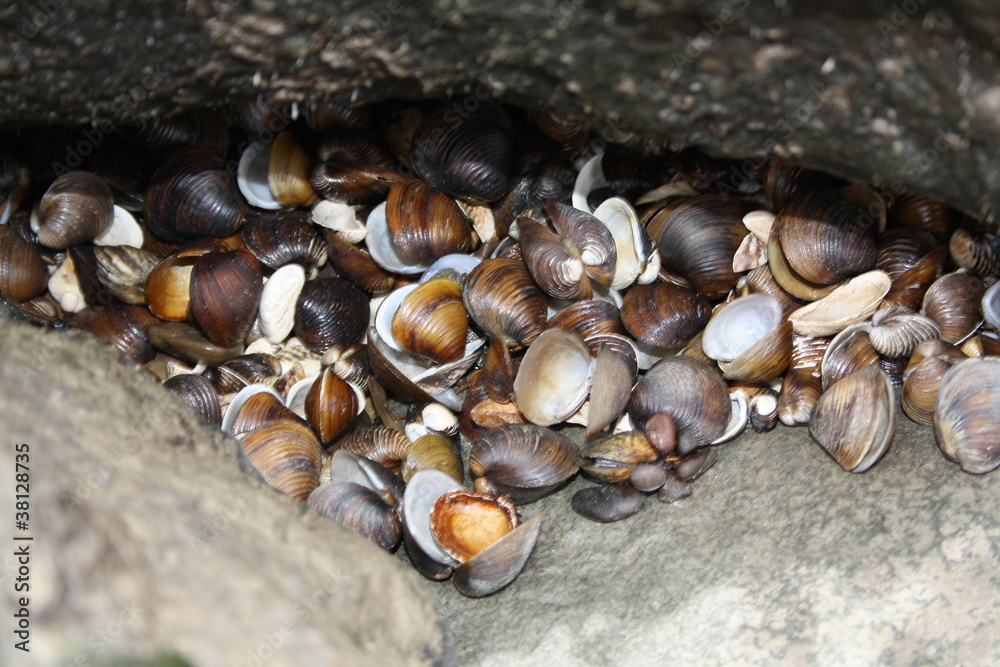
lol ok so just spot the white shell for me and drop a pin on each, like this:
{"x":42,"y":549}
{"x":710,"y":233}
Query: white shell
{"x":422,"y":491}
{"x":850,"y":303}
{"x":124,"y":230}
{"x":623,"y":223}
{"x":590,"y":178}
{"x":460,"y":263}
{"x":740,"y":324}
{"x":277,"y":302}
{"x":340,"y":218}
{"x":64,"y":286}
{"x":759,"y":223}
{"x":554,"y":378}
{"x":991,"y":306}
{"x":738,"y":420}
{"x":251,"y":176}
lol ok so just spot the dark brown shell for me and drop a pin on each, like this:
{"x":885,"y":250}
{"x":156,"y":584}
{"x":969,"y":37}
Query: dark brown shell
{"x":192,"y":195}
{"x":378,"y":443}
{"x":225,"y":293}
{"x":783,"y":182}
{"x":698,"y":238}
{"x":664,"y":314}
{"x":924,"y":213}
{"x":504,"y":301}
{"x":205,"y":127}
{"x":357,"y":265}
{"x":197,"y":392}
{"x":77,"y":208}
{"x":425,"y":223}
{"x":23,"y":273}
{"x":331,"y":406}
{"x":953,"y":302}
{"x":186,"y":342}
{"x":331,"y":312}
{"x":287,"y":454}
{"x":121,"y":325}
{"x":690,"y":391}
{"x":523,"y":461}
{"x":588,"y":317}
{"x":901,"y":248}
{"x":467,"y":154}
{"x":976,"y":251}
{"x":284,"y":238}
{"x":360,"y":509}
{"x":355,"y":183}
{"x":824,"y":238}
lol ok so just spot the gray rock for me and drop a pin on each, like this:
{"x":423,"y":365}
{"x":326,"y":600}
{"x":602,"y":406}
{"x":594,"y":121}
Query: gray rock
{"x":148,"y":539}
{"x":900,"y":91}
{"x":779,"y":557}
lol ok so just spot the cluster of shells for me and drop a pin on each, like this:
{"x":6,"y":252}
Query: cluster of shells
{"x":475,"y":264}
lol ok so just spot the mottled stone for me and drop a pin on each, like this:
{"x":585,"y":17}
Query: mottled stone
{"x":779,"y":557}
{"x":149,"y":540}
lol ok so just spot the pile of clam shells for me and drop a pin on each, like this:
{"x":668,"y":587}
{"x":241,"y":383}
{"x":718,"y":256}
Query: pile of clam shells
{"x":381,"y":303}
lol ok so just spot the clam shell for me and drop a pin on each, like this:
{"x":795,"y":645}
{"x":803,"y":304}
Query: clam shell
{"x":197,"y":392}
{"x":633,"y":246}
{"x":193,"y":194}
{"x":664,"y":314}
{"x":849,"y":351}
{"x":123,"y":270}
{"x":422,"y":492}
{"x":740,"y":324}
{"x":378,"y":443}
{"x":360,"y":509}
{"x":225,"y":295}
{"x":467,"y":154}
{"x":967,"y":414}
{"x":276,"y":310}
{"x":77,"y":208}
{"x":330,"y":312}
{"x":896,"y":331}
{"x":606,"y":503}
{"x":168,"y":288}
{"x":286,"y":238}
{"x":433,"y":452}
{"x":612,"y":458}
{"x":953,"y":302}
{"x":824,"y":238}
{"x":698,"y":239}
{"x":464,"y":523}
{"x":688,"y":390}
{"x":425,"y":223}
{"x":979,"y":253}
{"x":431,"y":321}
{"x":554,"y":378}
{"x":850,"y":303}
{"x":502,"y":299}
{"x":523,"y":461}
{"x":186,"y":342}
{"x":922,"y":381}
{"x":499,"y":564}
{"x":287,"y":455}
{"x":854,"y":420}
{"x":331,"y":405}
{"x":23,"y":272}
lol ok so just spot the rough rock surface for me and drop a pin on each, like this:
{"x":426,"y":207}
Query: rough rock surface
{"x":900,"y":91}
{"x":148,"y":540}
{"x":779,"y":557}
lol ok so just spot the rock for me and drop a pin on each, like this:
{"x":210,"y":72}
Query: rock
{"x":901,"y":92}
{"x":779,"y":557}
{"x":149,"y":540}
